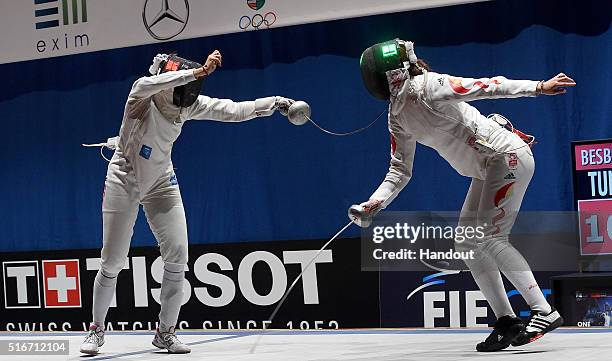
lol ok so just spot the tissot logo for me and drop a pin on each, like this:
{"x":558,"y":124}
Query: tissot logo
{"x":21,"y":287}
{"x":62,"y":283}
{"x":165,"y":19}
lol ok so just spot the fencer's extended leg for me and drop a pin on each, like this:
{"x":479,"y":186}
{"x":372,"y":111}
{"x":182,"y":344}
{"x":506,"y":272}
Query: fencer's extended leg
{"x":483,"y":267}
{"x":164,"y":210}
{"x":119,"y":212}
{"x":488,"y":278}
{"x":499,"y":206}
{"x":501,"y":200}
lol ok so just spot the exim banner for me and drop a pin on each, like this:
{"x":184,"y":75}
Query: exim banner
{"x":34,"y":29}
{"x":227,"y":286}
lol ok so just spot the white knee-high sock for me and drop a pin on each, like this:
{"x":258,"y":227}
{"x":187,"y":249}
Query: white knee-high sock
{"x":518,"y":272}
{"x":487,"y":277}
{"x":171,"y":297}
{"x":104,"y":289}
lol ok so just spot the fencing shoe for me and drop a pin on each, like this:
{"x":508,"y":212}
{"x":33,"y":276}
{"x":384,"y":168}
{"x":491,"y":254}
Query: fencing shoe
{"x":169,"y":341}
{"x":538,"y":325}
{"x":505,"y":330}
{"x":93,"y":341}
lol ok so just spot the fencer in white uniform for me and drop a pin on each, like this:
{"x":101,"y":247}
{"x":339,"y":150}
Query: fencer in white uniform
{"x":432,"y":109}
{"x":141,"y":172}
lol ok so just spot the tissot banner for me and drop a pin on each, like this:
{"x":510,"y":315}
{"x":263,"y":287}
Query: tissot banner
{"x":33,"y":29}
{"x":228,"y":286}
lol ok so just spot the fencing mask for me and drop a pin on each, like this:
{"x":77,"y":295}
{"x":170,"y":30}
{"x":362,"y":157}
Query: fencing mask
{"x":184,"y":95}
{"x":380,"y":58}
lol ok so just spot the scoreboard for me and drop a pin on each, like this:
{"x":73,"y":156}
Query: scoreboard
{"x":592,"y":168}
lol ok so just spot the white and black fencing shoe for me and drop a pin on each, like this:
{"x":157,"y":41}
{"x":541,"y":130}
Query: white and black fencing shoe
{"x":169,"y":341}
{"x":538,"y":325}
{"x":505,"y":330}
{"x":93,"y":341}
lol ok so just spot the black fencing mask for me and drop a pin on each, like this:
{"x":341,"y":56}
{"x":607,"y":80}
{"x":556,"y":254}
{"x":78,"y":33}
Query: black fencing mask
{"x":184,"y":95}
{"x":380,"y":58}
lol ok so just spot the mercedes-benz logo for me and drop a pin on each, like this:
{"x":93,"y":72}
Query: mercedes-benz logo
{"x":167,"y":22}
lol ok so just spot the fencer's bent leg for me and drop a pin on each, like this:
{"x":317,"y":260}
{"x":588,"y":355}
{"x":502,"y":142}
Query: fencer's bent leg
{"x":119,"y":212}
{"x":499,"y":205}
{"x":164,"y":210}
{"x":483,"y":267}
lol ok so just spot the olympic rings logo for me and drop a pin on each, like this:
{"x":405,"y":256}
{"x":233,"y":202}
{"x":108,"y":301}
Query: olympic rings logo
{"x":257,"y":21}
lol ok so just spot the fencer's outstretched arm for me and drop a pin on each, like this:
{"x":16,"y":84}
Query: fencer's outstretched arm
{"x":148,"y":86}
{"x":448,"y":88}
{"x":226,"y":110}
{"x":403,"y":147}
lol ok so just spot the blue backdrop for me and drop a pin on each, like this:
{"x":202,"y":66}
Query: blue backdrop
{"x":267,"y":179}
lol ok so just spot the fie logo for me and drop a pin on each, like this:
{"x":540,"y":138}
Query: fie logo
{"x":47,"y":13}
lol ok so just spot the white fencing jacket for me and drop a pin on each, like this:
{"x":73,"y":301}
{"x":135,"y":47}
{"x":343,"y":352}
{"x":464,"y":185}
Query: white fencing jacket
{"x":431,"y":109}
{"x":151,"y":122}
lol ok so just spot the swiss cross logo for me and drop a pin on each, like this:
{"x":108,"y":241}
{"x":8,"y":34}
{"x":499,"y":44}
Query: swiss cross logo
{"x":61,"y":283}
